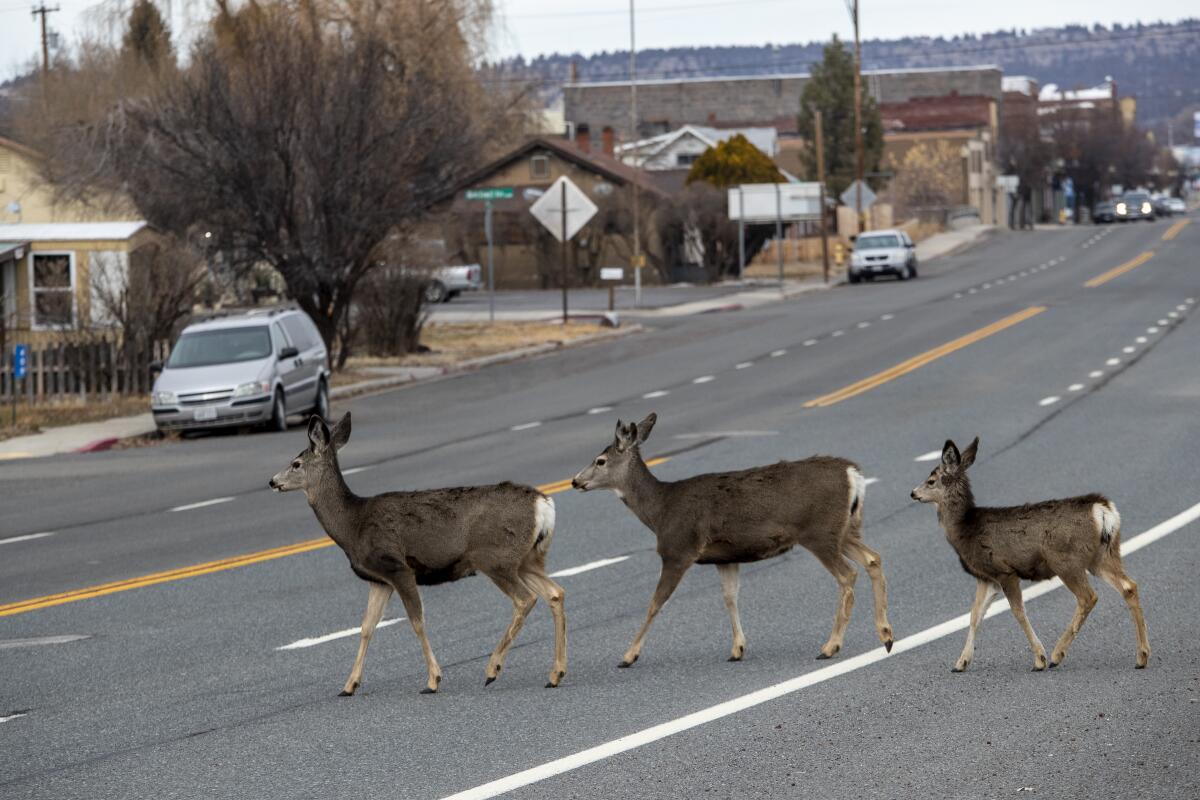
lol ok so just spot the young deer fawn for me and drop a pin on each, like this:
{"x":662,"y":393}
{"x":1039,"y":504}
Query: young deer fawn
{"x":1001,"y":546}
{"x":731,"y":518}
{"x":400,"y":540}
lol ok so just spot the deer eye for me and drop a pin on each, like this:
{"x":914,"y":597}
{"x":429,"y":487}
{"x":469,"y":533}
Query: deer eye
{"x":601,"y":461}
{"x":930,"y":481}
{"x":296,"y":464}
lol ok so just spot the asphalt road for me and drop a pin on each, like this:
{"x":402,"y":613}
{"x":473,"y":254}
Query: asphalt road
{"x":471,"y":305}
{"x":180,"y":689}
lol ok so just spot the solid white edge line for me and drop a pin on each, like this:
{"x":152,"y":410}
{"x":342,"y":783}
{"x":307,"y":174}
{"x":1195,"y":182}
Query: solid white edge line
{"x":216,"y":501}
{"x":26,"y":537}
{"x":604,"y":562}
{"x":354,"y":470}
{"x":869,"y":481}
{"x":930,"y":456}
{"x":13,"y":716}
{"x":329,"y":637}
{"x":729,"y":707}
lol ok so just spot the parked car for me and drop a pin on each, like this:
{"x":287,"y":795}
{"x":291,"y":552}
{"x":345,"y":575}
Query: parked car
{"x":1104,"y":212}
{"x":247,"y":368}
{"x":1176,"y":205}
{"x":1135,"y":206}
{"x":1162,"y":205}
{"x":886,"y":252}
{"x":448,"y":282}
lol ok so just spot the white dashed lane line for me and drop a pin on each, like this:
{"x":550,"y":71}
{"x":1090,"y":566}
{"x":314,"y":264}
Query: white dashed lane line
{"x":704,"y":379}
{"x":1096,"y":373}
{"x":869,"y":481}
{"x":932,"y":455}
{"x":1049,"y":401}
{"x":864,"y":324}
{"x":886,"y":317}
{"x":1112,"y":362}
{"x":745,"y":365}
{"x":525,"y":426}
{"x":27,"y":537}
{"x":836,"y":334}
{"x":1075,"y":387}
{"x":216,"y":501}
{"x":654,"y":394}
{"x":354,"y":470}
{"x":809,"y":342}
{"x":778,"y":353}
{"x":599,"y":409}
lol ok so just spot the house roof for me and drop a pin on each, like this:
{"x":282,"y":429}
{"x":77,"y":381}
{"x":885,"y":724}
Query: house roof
{"x":764,"y":138}
{"x":777,"y":76}
{"x":11,"y":144}
{"x":7,"y":248}
{"x":71,"y":231}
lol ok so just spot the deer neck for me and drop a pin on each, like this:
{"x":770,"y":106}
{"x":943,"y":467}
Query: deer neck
{"x":953,"y":510}
{"x":335,"y":505}
{"x":643,"y":494}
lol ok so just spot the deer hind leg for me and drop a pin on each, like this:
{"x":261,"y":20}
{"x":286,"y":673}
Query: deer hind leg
{"x":729,"y":591}
{"x":537,"y":580}
{"x":672,"y":573}
{"x":523,"y":601}
{"x":985,"y":593}
{"x":377,"y":600}
{"x":873,"y":564}
{"x":406,"y":587}
{"x":1012,"y":590}
{"x":1113,"y":573}
{"x":845,"y":574}
{"x":1085,"y":597}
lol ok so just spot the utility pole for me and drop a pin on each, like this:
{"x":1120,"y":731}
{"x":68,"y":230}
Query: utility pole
{"x":42,"y":10}
{"x":858,"y":132}
{"x":565,"y":276}
{"x":633,"y":132}
{"x":821,"y":180}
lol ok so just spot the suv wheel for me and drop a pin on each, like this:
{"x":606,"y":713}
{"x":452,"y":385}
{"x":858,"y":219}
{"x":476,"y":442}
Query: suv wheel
{"x":321,"y":407}
{"x":278,"y":421}
{"x":435,"y":292}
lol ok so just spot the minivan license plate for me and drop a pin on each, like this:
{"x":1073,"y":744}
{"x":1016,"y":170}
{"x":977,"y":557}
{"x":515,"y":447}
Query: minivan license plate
{"x":205,"y":414}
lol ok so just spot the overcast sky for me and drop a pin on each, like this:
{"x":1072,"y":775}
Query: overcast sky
{"x":531,"y":27}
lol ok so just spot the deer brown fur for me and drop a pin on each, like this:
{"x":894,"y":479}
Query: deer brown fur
{"x":999,"y":547}
{"x":400,"y":540}
{"x":731,"y":518}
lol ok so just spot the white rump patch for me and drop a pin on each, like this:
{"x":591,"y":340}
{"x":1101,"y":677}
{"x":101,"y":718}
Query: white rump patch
{"x":858,"y":490}
{"x":1108,"y":521}
{"x":543,"y":522}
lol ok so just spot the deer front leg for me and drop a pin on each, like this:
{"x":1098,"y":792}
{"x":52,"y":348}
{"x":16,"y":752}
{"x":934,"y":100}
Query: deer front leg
{"x":729,"y":591}
{"x":1085,"y":598}
{"x":985,"y":593}
{"x":406,"y":587}
{"x":672,"y":573}
{"x":377,"y":600}
{"x":1012,"y":590}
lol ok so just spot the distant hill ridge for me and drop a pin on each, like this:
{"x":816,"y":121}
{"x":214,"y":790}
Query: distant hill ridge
{"x":1157,"y":62}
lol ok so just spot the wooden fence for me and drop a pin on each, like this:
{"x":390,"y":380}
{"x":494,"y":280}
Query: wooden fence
{"x":104,"y":368}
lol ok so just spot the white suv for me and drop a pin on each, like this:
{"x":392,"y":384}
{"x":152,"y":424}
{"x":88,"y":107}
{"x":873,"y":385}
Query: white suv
{"x":243,"y":369}
{"x":886,"y":252}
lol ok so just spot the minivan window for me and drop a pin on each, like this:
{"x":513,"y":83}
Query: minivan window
{"x":875,"y":242}
{"x":297,"y":332}
{"x":226,"y":346}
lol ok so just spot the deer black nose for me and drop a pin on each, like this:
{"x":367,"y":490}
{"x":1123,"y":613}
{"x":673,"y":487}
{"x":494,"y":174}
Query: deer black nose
{"x":271,"y":483}
{"x":575,"y":483}
{"x":913,"y":494}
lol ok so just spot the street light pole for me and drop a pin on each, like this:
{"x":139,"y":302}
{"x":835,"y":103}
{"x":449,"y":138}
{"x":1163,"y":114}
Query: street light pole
{"x":633,"y":132}
{"x":821,"y":180}
{"x":858,"y":131}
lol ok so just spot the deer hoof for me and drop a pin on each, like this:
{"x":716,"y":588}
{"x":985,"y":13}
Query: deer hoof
{"x":887,"y":645}
{"x":427,"y":690}
{"x":628,"y":662}
{"x":344,"y":693}
{"x":489,"y":681}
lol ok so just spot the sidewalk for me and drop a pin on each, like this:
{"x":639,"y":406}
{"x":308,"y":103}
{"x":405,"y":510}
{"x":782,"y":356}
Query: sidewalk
{"x":950,"y":242}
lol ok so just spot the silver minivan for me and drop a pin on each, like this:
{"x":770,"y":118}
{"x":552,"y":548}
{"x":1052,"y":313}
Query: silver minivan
{"x":247,"y":368}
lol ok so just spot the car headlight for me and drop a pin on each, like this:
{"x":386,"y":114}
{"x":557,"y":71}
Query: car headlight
{"x":252,"y":388}
{"x":1145,"y":208}
{"x":1121,"y":208}
{"x":163,"y":398}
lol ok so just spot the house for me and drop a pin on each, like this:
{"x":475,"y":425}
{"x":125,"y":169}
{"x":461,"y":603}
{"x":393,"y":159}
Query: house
{"x":50,"y":274}
{"x":526,"y":255}
{"x":25,"y":199}
{"x":680,"y":148}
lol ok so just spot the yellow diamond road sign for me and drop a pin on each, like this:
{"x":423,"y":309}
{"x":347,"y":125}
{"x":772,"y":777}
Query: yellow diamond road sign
{"x":548,"y":209}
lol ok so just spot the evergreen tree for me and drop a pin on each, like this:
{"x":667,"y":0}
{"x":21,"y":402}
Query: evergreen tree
{"x":147,"y":39}
{"x":734,"y":161}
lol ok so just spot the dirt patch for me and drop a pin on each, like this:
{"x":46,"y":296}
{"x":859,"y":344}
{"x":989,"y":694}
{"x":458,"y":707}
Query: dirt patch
{"x":52,"y":414}
{"x":451,"y":343}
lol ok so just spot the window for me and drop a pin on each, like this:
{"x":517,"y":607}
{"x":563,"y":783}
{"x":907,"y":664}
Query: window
{"x":223,"y":346}
{"x":686,"y":159}
{"x":539,"y":167}
{"x":53,"y":283}
{"x":297,"y":332}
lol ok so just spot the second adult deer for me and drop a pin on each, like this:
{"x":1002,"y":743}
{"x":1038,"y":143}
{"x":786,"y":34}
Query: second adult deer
{"x":731,"y":518}
{"x":399,"y":540}
{"x":999,"y":547}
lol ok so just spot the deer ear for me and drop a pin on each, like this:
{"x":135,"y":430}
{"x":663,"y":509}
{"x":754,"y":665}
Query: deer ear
{"x":625,"y":436}
{"x":341,"y":432}
{"x":318,"y":432}
{"x":645,"y":426}
{"x":968,"y":455}
{"x":950,"y":455}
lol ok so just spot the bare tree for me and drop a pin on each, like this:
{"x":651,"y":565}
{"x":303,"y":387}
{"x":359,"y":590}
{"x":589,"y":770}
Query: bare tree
{"x":148,"y":293}
{"x":928,"y":176}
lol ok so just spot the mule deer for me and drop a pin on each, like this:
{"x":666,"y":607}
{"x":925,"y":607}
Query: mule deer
{"x":999,"y":547}
{"x":400,"y":540}
{"x":732,"y":518}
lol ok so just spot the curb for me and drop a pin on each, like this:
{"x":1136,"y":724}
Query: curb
{"x":97,"y":446}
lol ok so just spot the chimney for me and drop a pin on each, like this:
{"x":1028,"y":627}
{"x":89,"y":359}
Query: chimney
{"x":607,"y":140}
{"x":583,"y":137}
{"x":573,"y":75}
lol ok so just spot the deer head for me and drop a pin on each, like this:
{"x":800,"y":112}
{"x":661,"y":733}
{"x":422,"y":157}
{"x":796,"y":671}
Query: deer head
{"x":612,"y":468}
{"x":316,"y":462}
{"x":949,"y":478}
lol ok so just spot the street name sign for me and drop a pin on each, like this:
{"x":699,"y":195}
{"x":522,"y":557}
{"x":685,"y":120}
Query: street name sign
{"x":490,"y":193}
{"x":848,"y":197}
{"x":612,"y":274}
{"x":548,"y":209}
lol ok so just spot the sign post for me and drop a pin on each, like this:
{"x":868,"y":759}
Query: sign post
{"x":564,"y":210}
{"x":612,"y":276}
{"x":20,"y":368}
{"x":487,"y":195}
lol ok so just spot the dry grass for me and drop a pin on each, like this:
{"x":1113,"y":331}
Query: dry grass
{"x":452,"y":343}
{"x":794,"y":270}
{"x":53,"y":414}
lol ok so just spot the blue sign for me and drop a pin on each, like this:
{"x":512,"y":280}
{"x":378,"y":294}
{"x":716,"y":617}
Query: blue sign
{"x":20,"y":360}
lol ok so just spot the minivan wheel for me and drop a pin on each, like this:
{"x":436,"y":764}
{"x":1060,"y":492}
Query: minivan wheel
{"x":435,"y":292}
{"x":321,"y":407}
{"x":278,"y":422}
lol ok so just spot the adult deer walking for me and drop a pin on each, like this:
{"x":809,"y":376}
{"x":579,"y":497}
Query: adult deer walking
{"x":1067,"y":538}
{"x":400,"y":540}
{"x":731,"y":518}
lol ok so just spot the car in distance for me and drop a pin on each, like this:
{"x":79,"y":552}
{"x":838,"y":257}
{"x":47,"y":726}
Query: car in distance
{"x":1176,"y":205}
{"x":1134,"y":206}
{"x":1104,"y":212}
{"x":446,"y":283}
{"x":243,"y":368}
{"x":883,"y":252}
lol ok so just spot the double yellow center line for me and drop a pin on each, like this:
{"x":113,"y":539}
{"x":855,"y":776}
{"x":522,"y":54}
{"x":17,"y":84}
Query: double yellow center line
{"x":916,"y":362}
{"x":233,"y":562}
{"x":1174,"y":230}
{"x":1105,"y":277}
